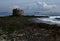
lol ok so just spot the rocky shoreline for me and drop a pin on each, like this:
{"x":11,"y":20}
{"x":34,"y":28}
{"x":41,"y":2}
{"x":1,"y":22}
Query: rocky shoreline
{"x":19,"y":29}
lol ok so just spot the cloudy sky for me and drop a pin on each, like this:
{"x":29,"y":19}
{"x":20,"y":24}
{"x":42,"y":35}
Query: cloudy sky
{"x":41,"y":5}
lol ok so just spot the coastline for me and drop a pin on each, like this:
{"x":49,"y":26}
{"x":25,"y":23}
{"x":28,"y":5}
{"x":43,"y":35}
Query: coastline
{"x":52,"y":20}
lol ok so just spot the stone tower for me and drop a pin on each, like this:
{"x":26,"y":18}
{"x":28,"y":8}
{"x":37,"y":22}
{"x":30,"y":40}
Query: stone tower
{"x":18,"y":12}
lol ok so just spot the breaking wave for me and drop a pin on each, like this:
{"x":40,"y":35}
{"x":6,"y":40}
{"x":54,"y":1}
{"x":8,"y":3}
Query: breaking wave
{"x":50,"y":20}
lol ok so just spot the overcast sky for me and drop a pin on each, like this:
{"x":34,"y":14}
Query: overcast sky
{"x":51,"y":5}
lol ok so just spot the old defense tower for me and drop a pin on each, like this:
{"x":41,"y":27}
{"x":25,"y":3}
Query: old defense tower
{"x":18,"y":12}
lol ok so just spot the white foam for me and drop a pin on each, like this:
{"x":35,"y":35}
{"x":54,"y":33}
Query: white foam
{"x":50,"y":20}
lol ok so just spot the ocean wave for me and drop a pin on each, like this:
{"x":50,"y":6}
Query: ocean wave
{"x":50,"y":20}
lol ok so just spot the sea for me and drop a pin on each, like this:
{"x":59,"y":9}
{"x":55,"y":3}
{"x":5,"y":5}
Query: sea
{"x":52,"y":19}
